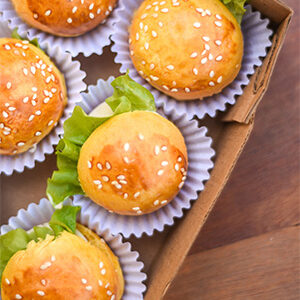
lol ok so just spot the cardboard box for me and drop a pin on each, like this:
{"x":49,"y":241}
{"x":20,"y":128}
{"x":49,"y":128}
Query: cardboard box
{"x":163,"y":253}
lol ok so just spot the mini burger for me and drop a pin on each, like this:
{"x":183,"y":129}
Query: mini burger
{"x":133,"y":161}
{"x":64,"y":18}
{"x":59,"y":260}
{"x":188,"y":49}
{"x":33,"y":95}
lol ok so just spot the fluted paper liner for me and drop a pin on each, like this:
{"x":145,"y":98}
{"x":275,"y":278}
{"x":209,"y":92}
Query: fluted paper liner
{"x":37,"y":214}
{"x":256,"y":41}
{"x":74,"y":82}
{"x":199,"y":155}
{"x":91,"y":42}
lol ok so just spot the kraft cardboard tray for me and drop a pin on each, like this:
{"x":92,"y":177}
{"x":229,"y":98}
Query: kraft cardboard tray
{"x":163,"y":253}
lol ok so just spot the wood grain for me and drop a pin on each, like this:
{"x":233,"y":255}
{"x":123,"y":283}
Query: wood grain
{"x":264,"y":267}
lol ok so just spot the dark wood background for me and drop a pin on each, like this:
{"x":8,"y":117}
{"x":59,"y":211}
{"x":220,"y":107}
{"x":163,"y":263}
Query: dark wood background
{"x":249,"y":247}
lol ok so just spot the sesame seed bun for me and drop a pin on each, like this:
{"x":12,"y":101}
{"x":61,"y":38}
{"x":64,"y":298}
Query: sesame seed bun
{"x":64,"y":18}
{"x":134,"y":163}
{"x":187,"y":49}
{"x":33,"y":95}
{"x":66,"y":267}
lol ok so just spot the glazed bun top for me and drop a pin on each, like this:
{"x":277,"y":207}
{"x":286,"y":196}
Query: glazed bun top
{"x":33,"y":95}
{"x":63,"y":268}
{"x":134,"y":163}
{"x":64,"y":18}
{"x":188,"y":49}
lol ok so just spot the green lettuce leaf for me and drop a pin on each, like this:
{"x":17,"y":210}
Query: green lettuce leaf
{"x":18,"y":239}
{"x":236,"y":7}
{"x":128,"y":96}
{"x":34,"y":42}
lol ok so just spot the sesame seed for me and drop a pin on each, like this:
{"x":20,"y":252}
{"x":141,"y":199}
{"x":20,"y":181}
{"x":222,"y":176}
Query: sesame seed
{"x":100,"y":282}
{"x":219,"y":80}
{"x":97,"y":182}
{"x":69,"y":20}
{"x":197,"y":25}
{"x":165,"y":87}
{"x":18,"y":45}
{"x":211,"y":83}
{"x":89,"y":164}
{"x":46,"y":265}
{"x":41,"y":293}
{"x":35,"y":16}
{"x":164,"y":163}
{"x":103,"y":271}
{"x":126,"y":160}
{"x":83,"y":280}
{"x":43,"y":282}
{"x":92,"y":16}
{"x":218,"y":42}
{"x":218,"y":23}
{"x":38,"y":133}
{"x":154,"y":78}
{"x":107,"y":285}
{"x":20,"y":144}
{"x":194,"y":54}
{"x":46,"y":100}
{"x":164,"y":202}
{"x":203,"y":52}
{"x":200,"y":10}
{"x":31,"y":117}
{"x":108,"y":165}
{"x":174,"y":90}
{"x":156,"y":150}
{"x":91,"y":6}
{"x":144,"y":16}
{"x":181,"y":184}
{"x":74,"y":9}
{"x":211,"y":74}
{"x":164,"y":10}
{"x":109,"y":293}
{"x":5,"y":114}
{"x":208,"y":12}
{"x":18,"y":296}
{"x":218,"y":17}
{"x":88,"y":287}
{"x":141,"y":137}
{"x":187,"y":90}
{"x":146,"y":45}
{"x":195,"y":71}
{"x":125,"y":196}
{"x":113,"y":297}
{"x":136,"y":194}
{"x":154,"y":33}
{"x":210,"y":56}
{"x":105,"y":178}
{"x":203,"y":60}
{"x":206,"y":38}
{"x":136,"y":208}
{"x":25,"y":71}
{"x":176,"y":167}
{"x":11,"y":108}
{"x":219,"y":58}
{"x":8,"y":85}
{"x":170,"y":67}
{"x":32,"y":69}
{"x":98,"y":11}
{"x":156,"y":202}
{"x":48,"y":12}
{"x":160,"y":24}
{"x":7,"y":281}
{"x":126,"y":146}
{"x":160,"y":172}
{"x":7,"y":47}
{"x":121,"y":177}
{"x":164,"y":148}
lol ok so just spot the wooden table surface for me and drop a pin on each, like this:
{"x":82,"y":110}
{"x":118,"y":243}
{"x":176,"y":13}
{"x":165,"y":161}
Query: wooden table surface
{"x":250,"y":246}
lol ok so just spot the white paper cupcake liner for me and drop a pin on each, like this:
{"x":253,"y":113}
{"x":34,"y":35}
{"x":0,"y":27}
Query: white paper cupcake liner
{"x":256,"y":41}
{"x":91,"y":42}
{"x":37,"y":214}
{"x":74,"y":81}
{"x":199,"y":155}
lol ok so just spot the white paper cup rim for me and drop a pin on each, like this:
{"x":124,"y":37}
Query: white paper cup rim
{"x":74,"y":81}
{"x":200,"y":154}
{"x":37,"y":214}
{"x":256,"y":41}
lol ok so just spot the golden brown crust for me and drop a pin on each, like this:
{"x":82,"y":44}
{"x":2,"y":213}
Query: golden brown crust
{"x":64,"y":18}
{"x":33,"y":95}
{"x":63,"y":268}
{"x":134,"y":163}
{"x":187,"y":49}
